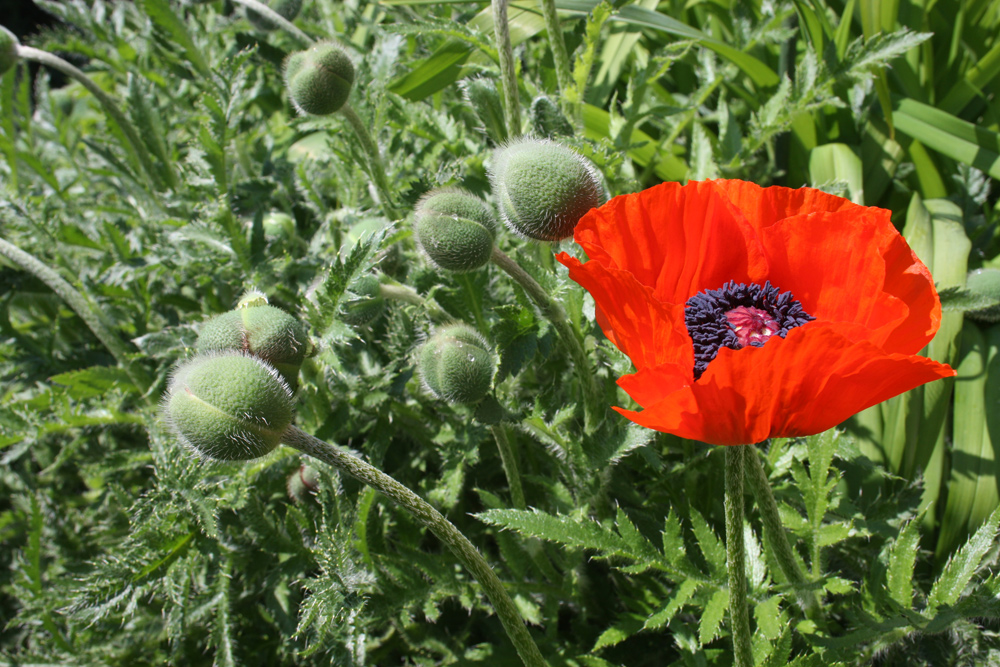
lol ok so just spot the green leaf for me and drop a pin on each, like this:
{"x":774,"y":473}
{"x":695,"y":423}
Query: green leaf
{"x":711,"y":618}
{"x":835,"y":165}
{"x":711,"y":546}
{"x":960,"y":140}
{"x":573,"y":532}
{"x":770,"y":620}
{"x":960,"y":568}
{"x":165,"y":18}
{"x":902,"y":558}
{"x":95,"y":381}
{"x":681,"y":596}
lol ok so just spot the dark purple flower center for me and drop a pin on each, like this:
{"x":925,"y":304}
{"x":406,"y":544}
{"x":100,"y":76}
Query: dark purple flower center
{"x":739,"y":315}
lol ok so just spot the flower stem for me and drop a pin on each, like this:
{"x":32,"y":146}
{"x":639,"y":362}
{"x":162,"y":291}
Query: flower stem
{"x":554,"y":312}
{"x":440,"y":526}
{"x":559,"y":54}
{"x":736,"y":556}
{"x":512,"y":106}
{"x":509,"y":466}
{"x":775,"y":532}
{"x":376,"y":168}
{"x":406,"y":294}
{"x":110,"y":106}
{"x":92,"y":317}
{"x":277,"y":19}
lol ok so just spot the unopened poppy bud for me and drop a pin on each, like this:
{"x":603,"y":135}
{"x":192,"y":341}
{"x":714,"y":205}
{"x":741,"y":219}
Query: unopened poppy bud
{"x":543,"y":188}
{"x":985,"y":282}
{"x":8,"y":49}
{"x":302,"y":483}
{"x":262,"y":330}
{"x":547,"y":120}
{"x":455,"y":229}
{"x":457,"y":364}
{"x":232,"y":407}
{"x":484,"y":98}
{"x":365,"y":301}
{"x":288,"y":9}
{"x":319,"y":79}
{"x":278,"y":225}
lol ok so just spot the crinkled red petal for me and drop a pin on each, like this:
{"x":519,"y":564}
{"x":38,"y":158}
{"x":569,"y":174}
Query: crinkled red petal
{"x":763,"y":207}
{"x":676,"y":240}
{"x":803,"y":384}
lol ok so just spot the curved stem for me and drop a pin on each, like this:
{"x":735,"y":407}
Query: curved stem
{"x":736,"y":556}
{"x":554,"y":312}
{"x":277,"y":19}
{"x":436,"y":523}
{"x":376,"y":168}
{"x":511,"y":103}
{"x":108,"y":102}
{"x":407,"y":294}
{"x":88,"y":313}
{"x":559,"y":53}
{"x":509,"y":462}
{"x":776,"y":537}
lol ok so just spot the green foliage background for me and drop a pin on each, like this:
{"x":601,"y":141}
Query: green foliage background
{"x":121,"y":549}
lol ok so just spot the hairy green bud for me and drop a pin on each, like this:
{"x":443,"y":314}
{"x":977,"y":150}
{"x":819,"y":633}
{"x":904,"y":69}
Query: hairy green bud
{"x":543,"y":188}
{"x":278,"y":225}
{"x":8,"y":49}
{"x":455,"y":229}
{"x":484,"y":98}
{"x":261,"y":330}
{"x":232,"y":407}
{"x":367,"y":301}
{"x":302,"y":483}
{"x":985,"y":282}
{"x":319,"y":79}
{"x":288,"y":9}
{"x":457,"y":364}
{"x":547,"y":120}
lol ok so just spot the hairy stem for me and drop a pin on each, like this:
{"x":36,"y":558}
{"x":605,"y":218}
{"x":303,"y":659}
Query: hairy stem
{"x":511,"y":104}
{"x":559,"y":53}
{"x":554,"y":312}
{"x":736,"y":556}
{"x":776,"y":537}
{"x":79,"y":304}
{"x":110,"y":105}
{"x":376,"y":169}
{"x":509,"y":465}
{"x":406,"y":294}
{"x":277,"y":19}
{"x":436,"y":523}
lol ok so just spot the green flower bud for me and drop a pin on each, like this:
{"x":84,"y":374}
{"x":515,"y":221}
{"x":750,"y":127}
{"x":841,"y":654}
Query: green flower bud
{"x":231,"y":407}
{"x":482,"y":94}
{"x":319,"y":79}
{"x":8,"y":49}
{"x":278,"y":225}
{"x":289,"y":9}
{"x":366,"y":301}
{"x":543,"y":188}
{"x":457,"y":364}
{"x":261,"y":330}
{"x":302,"y":483}
{"x":455,"y":229}
{"x":547,"y":120}
{"x":985,"y":282}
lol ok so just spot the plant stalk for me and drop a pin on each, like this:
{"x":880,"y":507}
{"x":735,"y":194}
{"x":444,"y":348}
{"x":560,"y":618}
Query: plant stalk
{"x":511,"y":103}
{"x":92,"y":317}
{"x":376,"y":168}
{"x":406,"y":294}
{"x":554,"y":312}
{"x":436,"y":523}
{"x":775,"y":532}
{"x":110,"y":105}
{"x":509,"y":462}
{"x":559,"y":54}
{"x":277,"y":19}
{"x":736,"y":556}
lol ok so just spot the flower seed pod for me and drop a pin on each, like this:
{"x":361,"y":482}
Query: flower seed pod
{"x":8,"y":49}
{"x":289,"y":9}
{"x":547,"y":120}
{"x":455,"y":229}
{"x":319,"y":79}
{"x":543,"y":188}
{"x":261,"y":330}
{"x":985,"y":282}
{"x":366,"y":303}
{"x":457,"y":364}
{"x":231,"y":407}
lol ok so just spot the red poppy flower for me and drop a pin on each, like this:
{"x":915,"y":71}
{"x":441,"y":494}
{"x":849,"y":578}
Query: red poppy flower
{"x":756,"y":312}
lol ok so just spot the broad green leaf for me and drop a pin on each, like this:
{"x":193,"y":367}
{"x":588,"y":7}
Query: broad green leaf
{"x":976,"y":78}
{"x":596,"y":124}
{"x":961,"y":141}
{"x":833,"y":164}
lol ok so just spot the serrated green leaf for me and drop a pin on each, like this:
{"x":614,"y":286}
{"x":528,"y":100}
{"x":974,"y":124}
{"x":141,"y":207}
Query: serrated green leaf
{"x":573,"y":532}
{"x":959,"y":570}
{"x":95,"y":381}
{"x":711,"y":618}
{"x":681,"y":596}
{"x":627,"y":626}
{"x":711,"y":547}
{"x":770,"y":620}
{"x":165,"y":18}
{"x":902,"y":558}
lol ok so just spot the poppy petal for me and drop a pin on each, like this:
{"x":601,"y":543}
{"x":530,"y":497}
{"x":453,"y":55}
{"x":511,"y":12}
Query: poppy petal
{"x":763,"y":207}
{"x":808,"y":382}
{"x":676,"y":240}
{"x":648,"y":331}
